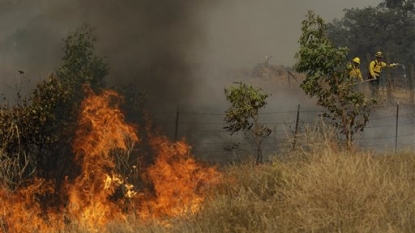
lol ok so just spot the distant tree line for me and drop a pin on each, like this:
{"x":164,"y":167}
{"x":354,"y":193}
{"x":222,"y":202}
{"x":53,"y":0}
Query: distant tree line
{"x":388,"y":27}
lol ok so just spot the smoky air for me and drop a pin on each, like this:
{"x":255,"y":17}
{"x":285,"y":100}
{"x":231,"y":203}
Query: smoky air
{"x":150,"y":45}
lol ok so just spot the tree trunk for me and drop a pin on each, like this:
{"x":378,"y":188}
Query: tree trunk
{"x":259,"y":155}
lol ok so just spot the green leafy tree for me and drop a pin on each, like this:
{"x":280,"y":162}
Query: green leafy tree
{"x":81,"y":69}
{"x":327,"y":78}
{"x":246,"y":101}
{"x":80,"y":65}
{"x":37,"y":131}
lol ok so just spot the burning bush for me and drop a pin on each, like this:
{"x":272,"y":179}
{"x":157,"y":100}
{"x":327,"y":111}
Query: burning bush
{"x":100,"y":192}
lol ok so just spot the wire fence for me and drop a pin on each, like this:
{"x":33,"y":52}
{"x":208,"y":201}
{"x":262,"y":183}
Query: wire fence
{"x":390,"y":128}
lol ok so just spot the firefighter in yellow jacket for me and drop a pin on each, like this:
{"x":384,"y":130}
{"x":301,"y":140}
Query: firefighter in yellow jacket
{"x":354,"y":70}
{"x":375,"y":70}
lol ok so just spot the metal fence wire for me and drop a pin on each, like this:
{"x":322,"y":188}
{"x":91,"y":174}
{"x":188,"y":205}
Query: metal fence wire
{"x":391,"y":125}
{"x":390,"y":128}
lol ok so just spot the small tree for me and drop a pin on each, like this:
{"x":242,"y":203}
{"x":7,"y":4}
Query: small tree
{"x":327,"y":79}
{"x":243,"y":114}
{"x":35,"y":133}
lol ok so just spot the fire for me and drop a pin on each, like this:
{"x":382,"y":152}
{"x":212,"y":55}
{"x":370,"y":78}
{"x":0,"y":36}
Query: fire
{"x":22,"y":209}
{"x":101,"y":131}
{"x":102,"y":193}
{"x":178,"y":180}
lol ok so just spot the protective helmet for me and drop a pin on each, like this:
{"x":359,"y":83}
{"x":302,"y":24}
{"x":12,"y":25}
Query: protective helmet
{"x":378,"y":54}
{"x":357,"y":60}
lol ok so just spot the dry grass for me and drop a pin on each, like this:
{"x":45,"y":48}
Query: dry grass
{"x":317,"y":188}
{"x":349,"y":193}
{"x":321,"y":189}
{"x":327,"y":193}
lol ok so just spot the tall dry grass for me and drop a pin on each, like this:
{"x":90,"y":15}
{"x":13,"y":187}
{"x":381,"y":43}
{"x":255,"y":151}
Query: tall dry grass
{"x":329,"y":193}
{"x":318,"y":187}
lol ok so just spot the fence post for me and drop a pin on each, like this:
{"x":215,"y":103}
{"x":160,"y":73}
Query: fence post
{"x":177,"y":125}
{"x":411,"y":78}
{"x":396,"y":129}
{"x":296,"y":126}
{"x":411,"y":86}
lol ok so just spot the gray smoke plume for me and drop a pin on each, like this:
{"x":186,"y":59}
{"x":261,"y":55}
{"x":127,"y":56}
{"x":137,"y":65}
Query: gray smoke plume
{"x":148,"y":44}
{"x":156,"y":45}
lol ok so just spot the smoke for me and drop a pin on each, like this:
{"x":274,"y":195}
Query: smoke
{"x":152,"y":45}
{"x":157,"y":46}
{"x":181,"y":53}
{"x":148,"y":44}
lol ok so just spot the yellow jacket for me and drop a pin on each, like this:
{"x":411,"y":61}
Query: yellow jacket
{"x":354,"y":72}
{"x":375,"y":67}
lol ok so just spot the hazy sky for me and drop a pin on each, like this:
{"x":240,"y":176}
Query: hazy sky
{"x":152,"y":43}
{"x":246,"y":31}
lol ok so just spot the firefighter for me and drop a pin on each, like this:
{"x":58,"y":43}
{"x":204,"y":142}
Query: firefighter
{"x":375,"y":71}
{"x":354,"y":70}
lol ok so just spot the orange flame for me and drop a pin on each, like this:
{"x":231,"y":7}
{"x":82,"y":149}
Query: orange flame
{"x":101,"y":131}
{"x":91,"y":200}
{"x":178,"y":180}
{"x":22,"y":210}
